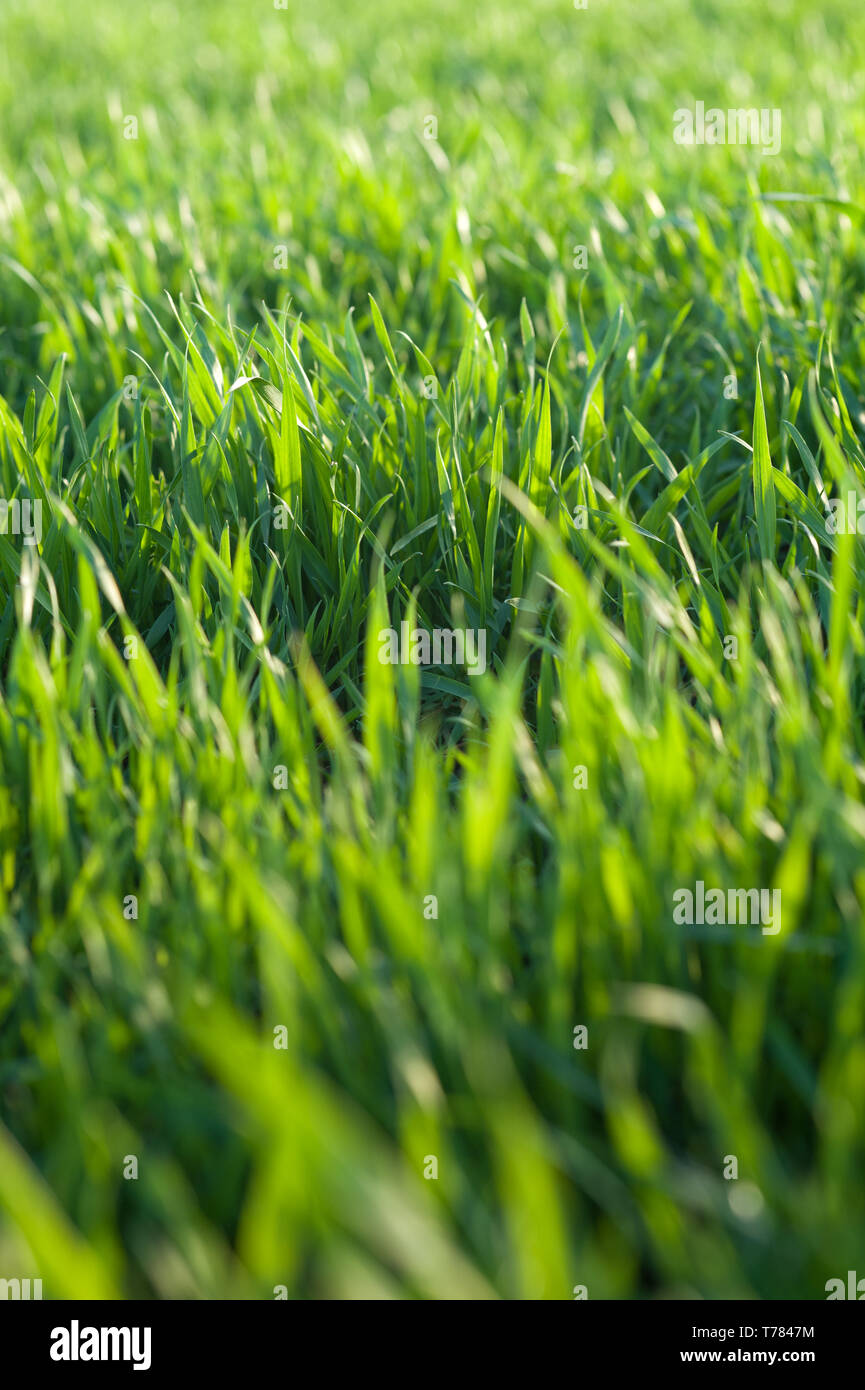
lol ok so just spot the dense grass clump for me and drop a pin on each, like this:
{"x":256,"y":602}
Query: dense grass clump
{"x":318,"y":321}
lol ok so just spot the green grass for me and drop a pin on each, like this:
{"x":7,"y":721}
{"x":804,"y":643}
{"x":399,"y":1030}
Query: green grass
{"x":168,"y":378}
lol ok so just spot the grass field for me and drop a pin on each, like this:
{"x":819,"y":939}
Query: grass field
{"x":318,"y":321}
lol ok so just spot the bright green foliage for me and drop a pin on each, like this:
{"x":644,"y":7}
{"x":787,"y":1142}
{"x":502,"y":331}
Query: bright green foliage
{"x":284,"y":372}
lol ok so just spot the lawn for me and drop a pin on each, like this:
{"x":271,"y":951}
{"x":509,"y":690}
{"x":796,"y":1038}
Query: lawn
{"x":324,"y":975}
